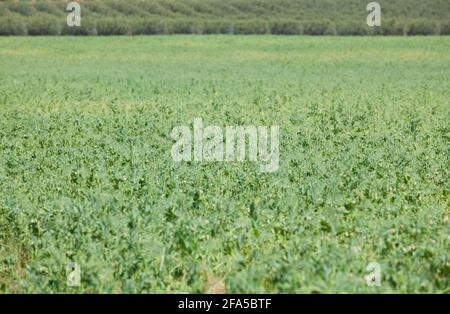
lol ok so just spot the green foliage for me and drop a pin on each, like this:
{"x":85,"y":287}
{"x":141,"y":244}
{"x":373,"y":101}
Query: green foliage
{"x":124,"y":8}
{"x":422,"y":27}
{"x":48,"y":7}
{"x":319,"y":28}
{"x":445,"y":28}
{"x":281,"y":17}
{"x":86,"y":173}
{"x":392,"y":28}
{"x":88,"y":27}
{"x":44,"y":24}
{"x":353,"y":28}
{"x":98,"y":8}
{"x":3,"y":10}
{"x":113,"y":26}
{"x":217,"y":27}
{"x":184,"y":26}
{"x":151,"y":26}
{"x":12,"y":26}
{"x":247,"y":27}
{"x":22,"y":8}
{"x":286,"y":27}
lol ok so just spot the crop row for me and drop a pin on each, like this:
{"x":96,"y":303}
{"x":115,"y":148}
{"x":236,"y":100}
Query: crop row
{"x":288,"y":17}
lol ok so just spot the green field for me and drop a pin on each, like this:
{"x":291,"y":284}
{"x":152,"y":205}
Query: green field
{"x":86,"y":174}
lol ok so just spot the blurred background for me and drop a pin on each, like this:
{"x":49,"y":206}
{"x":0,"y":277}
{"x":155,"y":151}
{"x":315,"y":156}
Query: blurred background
{"x":287,"y":17}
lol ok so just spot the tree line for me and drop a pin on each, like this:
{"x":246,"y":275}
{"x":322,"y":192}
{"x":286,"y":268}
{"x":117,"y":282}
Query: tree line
{"x":283,"y":17}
